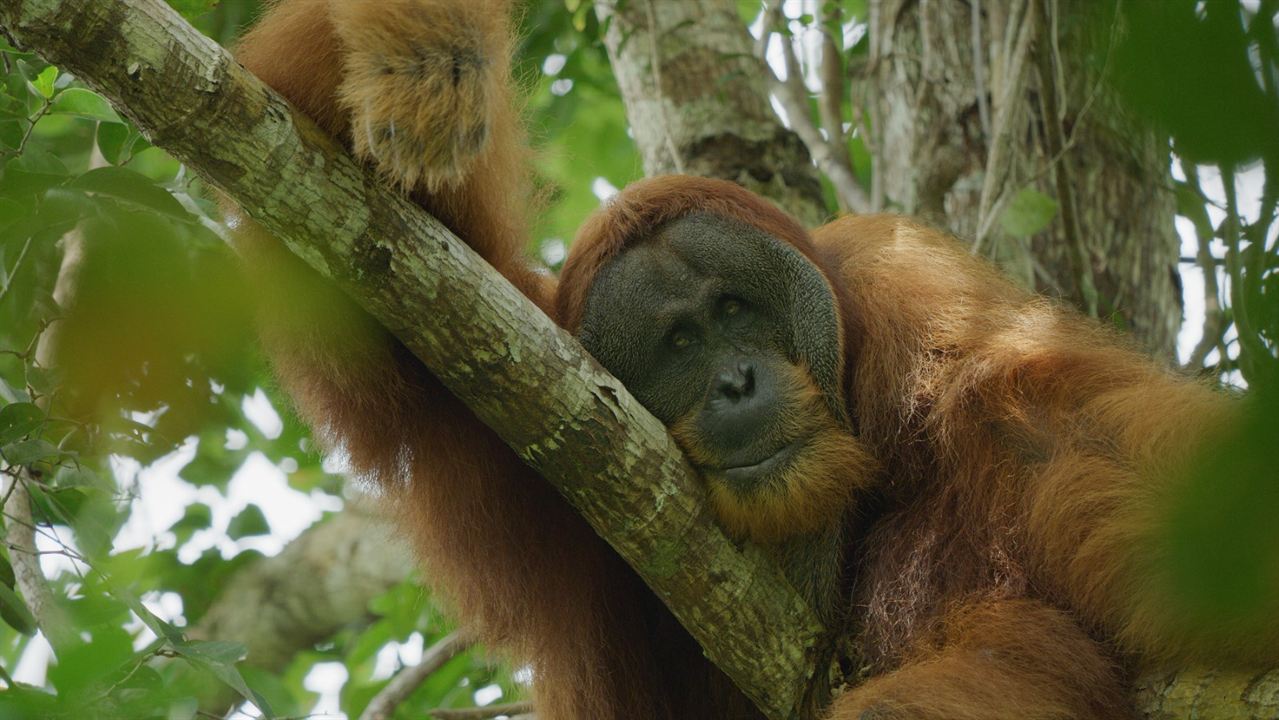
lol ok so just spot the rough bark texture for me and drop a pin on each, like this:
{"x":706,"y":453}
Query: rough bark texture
{"x":1213,"y":694}
{"x":520,"y":373}
{"x":934,"y":147}
{"x":697,"y":100}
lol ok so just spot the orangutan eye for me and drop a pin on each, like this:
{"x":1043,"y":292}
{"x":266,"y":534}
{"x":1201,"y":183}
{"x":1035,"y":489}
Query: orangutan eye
{"x":731,"y":307}
{"x":681,"y":340}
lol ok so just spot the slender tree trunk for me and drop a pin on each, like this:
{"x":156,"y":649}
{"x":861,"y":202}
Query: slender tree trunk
{"x":960,"y":156}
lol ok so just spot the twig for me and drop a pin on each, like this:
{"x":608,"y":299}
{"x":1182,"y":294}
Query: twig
{"x":830,"y":101}
{"x":19,"y":534}
{"x":772,"y":18}
{"x":1250,"y":345}
{"x":792,"y":94}
{"x":383,"y":705}
{"x":979,"y":69}
{"x":31,"y":127}
{"x":22,"y":254}
{"x":1013,"y":82}
{"x":1051,"y":116}
{"x":880,"y":44}
{"x":1214,"y":325}
{"x":482,"y":713}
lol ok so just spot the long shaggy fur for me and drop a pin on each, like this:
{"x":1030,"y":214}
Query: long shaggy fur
{"x":813,"y":491}
{"x":1008,"y":462}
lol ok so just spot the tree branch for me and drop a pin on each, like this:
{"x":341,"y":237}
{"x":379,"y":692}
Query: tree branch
{"x":322,"y":581}
{"x":383,"y":705}
{"x":519,"y":709}
{"x":525,"y":377}
{"x":20,"y":539}
{"x":831,"y":158}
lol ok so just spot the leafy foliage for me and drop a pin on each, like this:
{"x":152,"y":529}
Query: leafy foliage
{"x":1207,"y":73}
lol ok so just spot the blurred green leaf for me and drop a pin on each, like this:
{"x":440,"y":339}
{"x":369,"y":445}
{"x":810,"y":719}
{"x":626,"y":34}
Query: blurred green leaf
{"x":1224,"y":551}
{"x":218,"y":658}
{"x":197,"y":516}
{"x":15,"y":612}
{"x":128,"y":185}
{"x":25,"y":452}
{"x":1029,"y":212}
{"x":192,"y":9}
{"x":1186,"y":65}
{"x":216,"y":651}
{"x":18,"y":419}
{"x":272,"y":689}
{"x":402,"y":608}
{"x":250,"y":521}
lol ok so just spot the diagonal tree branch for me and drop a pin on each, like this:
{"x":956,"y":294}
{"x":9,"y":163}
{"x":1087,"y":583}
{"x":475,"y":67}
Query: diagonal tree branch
{"x":525,"y":377}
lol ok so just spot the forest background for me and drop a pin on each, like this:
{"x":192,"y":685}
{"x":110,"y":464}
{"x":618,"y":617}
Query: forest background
{"x":177,"y":546}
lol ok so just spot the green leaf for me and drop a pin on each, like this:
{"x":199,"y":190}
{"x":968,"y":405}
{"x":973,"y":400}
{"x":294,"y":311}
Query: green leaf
{"x":15,"y":611}
{"x":213,"y":656}
{"x":1028,"y":213}
{"x":183,"y":709}
{"x":44,"y":81}
{"x":250,"y":521}
{"x":43,"y":380}
{"x":270,"y":687}
{"x":84,"y":103}
{"x":198,"y":516}
{"x":215,"y":651}
{"x":118,"y":142}
{"x":401,"y":608}
{"x":129,"y":186}
{"x":17,"y":420}
{"x":1220,"y":545}
{"x":156,"y":624}
{"x":26,"y":452}
{"x":80,"y":477}
{"x":13,"y":212}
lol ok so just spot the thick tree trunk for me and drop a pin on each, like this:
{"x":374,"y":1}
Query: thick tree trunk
{"x":935,"y":140}
{"x":697,"y":100}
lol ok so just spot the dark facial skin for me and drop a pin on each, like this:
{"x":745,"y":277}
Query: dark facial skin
{"x":715,"y":327}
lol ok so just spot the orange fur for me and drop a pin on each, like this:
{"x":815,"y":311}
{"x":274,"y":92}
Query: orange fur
{"x":813,"y":492}
{"x":1007,"y":468}
{"x":996,"y":660}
